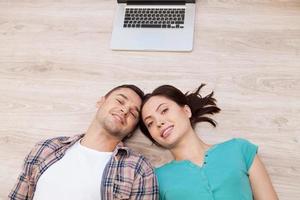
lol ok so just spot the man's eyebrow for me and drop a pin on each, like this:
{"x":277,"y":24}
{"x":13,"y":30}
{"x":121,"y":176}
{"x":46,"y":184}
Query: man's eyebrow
{"x":125,"y":97}
{"x":155,"y":111}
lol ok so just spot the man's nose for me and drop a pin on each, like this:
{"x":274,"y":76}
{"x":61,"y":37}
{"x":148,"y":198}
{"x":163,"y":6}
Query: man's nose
{"x":125,"y":110}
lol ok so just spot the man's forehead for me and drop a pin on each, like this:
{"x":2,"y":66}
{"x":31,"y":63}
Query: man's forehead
{"x":127,"y":94}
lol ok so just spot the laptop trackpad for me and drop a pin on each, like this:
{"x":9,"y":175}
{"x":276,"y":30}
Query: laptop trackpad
{"x":154,"y":39}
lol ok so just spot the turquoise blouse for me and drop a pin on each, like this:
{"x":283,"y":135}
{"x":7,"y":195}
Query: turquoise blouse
{"x":223,"y":175}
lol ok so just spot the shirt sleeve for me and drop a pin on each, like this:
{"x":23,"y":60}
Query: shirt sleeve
{"x":145,"y":186}
{"x":21,"y":189}
{"x":248,"y":150}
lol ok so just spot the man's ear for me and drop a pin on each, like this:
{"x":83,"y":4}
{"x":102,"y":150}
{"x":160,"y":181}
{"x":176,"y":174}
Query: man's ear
{"x":100,"y":102}
{"x":187,"y":110}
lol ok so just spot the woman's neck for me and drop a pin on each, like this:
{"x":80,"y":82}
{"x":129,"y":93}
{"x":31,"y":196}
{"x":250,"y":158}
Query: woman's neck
{"x":190,"y":147}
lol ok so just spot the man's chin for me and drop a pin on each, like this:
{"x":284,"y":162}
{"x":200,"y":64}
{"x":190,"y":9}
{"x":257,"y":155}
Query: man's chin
{"x":113,"y":130}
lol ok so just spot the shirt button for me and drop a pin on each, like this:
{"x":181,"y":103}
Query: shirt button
{"x":206,"y":155}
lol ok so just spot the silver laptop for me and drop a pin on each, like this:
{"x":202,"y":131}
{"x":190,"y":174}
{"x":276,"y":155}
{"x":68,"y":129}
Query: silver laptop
{"x":154,"y":25}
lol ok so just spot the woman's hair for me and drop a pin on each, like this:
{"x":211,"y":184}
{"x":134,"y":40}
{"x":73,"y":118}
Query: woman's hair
{"x":200,"y":106}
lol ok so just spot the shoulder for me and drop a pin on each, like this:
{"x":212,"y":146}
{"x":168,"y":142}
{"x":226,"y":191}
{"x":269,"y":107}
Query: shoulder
{"x":48,"y":146}
{"x":247,"y":149}
{"x":139,"y":163}
{"x":244,"y":144}
{"x":240,"y":141}
{"x":237,"y":142}
{"x":51,"y":143}
{"x":167,"y":167}
{"x":237,"y":146}
{"x":54,"y":140}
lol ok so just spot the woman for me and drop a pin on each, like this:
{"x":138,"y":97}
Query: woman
{"x":226,"y":171}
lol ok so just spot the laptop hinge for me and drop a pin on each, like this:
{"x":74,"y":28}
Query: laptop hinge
{"x":140,"y":2}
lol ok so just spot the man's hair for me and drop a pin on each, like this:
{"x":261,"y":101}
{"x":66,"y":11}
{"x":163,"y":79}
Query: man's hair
{"x":137,"y":90}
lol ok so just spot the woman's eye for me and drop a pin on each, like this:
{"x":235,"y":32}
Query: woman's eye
{"x":149,"y":124}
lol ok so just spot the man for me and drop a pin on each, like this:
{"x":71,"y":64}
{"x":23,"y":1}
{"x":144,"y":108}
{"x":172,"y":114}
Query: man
{"x":95,"y":165}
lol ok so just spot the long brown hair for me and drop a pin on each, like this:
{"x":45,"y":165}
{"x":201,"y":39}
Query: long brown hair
{"x":200,"y":106}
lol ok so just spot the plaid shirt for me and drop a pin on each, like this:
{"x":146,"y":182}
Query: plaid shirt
{"x":127,"y":175}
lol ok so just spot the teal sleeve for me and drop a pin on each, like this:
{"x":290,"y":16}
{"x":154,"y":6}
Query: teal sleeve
{"x":248,"y":151}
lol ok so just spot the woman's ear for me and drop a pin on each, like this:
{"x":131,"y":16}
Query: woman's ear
{"x":100,"y":102}
{"x":187,"y":110}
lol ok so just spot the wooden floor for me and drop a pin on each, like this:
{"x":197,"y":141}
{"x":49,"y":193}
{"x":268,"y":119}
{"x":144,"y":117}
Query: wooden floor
{"x":55,"y":62}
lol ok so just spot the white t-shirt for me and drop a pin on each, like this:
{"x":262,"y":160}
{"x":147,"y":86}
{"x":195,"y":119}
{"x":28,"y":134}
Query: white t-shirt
{"x":76,"y":176}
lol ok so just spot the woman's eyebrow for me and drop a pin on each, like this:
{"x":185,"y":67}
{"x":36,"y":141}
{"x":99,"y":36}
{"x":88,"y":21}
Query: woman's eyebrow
{"x":155,"y":111}
{"x":159,"y":106}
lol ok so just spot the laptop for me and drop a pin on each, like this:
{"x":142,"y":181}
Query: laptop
{"x":154,"y":25}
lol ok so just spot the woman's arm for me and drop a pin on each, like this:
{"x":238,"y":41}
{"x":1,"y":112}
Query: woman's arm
{"x":260,"y":181}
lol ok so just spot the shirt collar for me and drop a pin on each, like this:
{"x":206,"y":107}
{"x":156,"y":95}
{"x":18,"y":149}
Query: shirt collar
{"x":120,"y":149}
{"x":72,"y":139}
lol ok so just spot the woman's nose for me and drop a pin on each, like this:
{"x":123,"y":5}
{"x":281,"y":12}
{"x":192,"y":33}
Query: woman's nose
{"x":160,"y":123}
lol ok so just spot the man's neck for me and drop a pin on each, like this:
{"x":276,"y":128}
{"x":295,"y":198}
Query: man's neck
{"x":98,"y":139}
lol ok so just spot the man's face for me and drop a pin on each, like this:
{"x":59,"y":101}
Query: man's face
{"x":118,"y":113}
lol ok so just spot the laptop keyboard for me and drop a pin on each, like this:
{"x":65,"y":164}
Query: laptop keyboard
{"x":154,"y":18}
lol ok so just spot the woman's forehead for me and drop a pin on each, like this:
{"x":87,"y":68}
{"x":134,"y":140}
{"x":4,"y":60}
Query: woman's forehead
{"x":155,"y":102}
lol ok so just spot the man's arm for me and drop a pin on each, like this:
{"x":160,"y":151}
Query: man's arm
{"x":21,"y":188}
{"x":260,"y":181}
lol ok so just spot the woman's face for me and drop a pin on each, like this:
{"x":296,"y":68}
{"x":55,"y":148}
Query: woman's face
{"x":166,"y":121}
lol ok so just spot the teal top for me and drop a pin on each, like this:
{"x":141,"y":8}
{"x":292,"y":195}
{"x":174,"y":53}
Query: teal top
{"x":223,"y":175}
